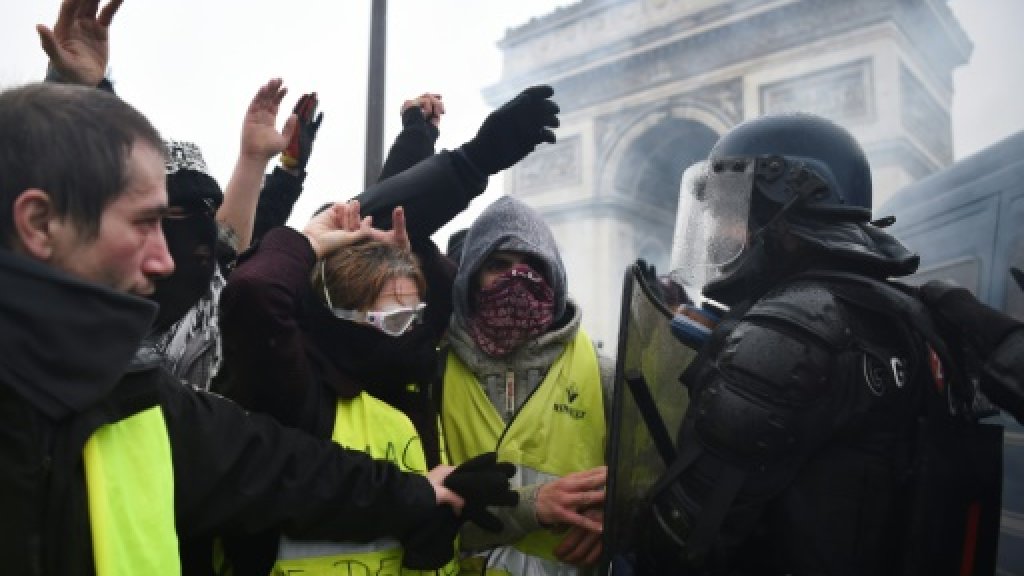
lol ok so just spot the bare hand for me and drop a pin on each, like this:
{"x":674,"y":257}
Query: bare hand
{"x":397,"y":236}
{"x":78,"y":45}
{"x":430,"y":104}
{"x":581,"y":547}
{"x":559,"y":502}
{"x":436,"y":477}
{"x":336,"y":227}
{"x":260,"y":138}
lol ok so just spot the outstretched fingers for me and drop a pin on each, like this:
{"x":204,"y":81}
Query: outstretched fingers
{"x":107,"y":14}
{"x":87,"y":9}
{"x":49,"y":42}
{"x":401,"y":235}
{"x":66,"y":17}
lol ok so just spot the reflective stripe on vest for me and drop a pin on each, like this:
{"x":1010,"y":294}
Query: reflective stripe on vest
{"x":129,"y":478}
{"x":372,"y":426}
{"x":560,"y":429}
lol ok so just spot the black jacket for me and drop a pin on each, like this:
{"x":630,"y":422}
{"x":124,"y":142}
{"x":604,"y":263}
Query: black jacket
{"x":66,"y":370}
{"x":277,"y":198}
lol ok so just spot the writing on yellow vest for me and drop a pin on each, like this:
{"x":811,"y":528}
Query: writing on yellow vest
{"x":129,"y":479}
{"x":385,"y":433}
{"x":559,"y":430}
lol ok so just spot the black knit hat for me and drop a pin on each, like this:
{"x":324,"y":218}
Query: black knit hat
{"x":189,"y":183}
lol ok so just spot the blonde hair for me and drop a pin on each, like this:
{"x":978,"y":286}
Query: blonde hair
{"x":355,"y":275}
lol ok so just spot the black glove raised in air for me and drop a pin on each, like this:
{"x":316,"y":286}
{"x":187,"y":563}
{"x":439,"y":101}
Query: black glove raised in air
{"x":481,"y":481}
{"x":300,"y":146}
{"x":514,"y":130}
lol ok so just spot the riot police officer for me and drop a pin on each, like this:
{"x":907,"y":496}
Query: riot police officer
{"x":799,"y":450}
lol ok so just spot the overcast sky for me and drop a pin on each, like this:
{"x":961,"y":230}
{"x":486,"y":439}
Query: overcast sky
{"x":193,"y":65}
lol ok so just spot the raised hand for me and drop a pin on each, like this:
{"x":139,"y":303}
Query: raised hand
{"x":336,"y":227}
{"x":428,"y":103}
{"x":300,"y":144}
{"x":397,"y":236}
{"x":79,"y":44}
{"x":511,"y":132}
{"x":260,"y":138}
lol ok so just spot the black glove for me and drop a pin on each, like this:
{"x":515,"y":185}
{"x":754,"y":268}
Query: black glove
{"x":514,"y":130}
{"x":296,"y":154}
{"x":981,"y":327}
{"x":649,"y":276}
{"x":432,"y":544}
{"x":482,"y":481}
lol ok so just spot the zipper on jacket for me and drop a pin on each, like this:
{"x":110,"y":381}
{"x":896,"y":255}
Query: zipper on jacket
{"x":510,"y":395}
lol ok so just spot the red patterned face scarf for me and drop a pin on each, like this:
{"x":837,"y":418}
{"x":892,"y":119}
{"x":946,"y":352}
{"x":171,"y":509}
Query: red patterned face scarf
{"x":519,"y":305}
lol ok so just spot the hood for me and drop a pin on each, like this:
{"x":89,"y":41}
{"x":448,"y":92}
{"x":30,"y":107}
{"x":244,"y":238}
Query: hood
{"x":508,"y":224}
{"x":66,"y":343}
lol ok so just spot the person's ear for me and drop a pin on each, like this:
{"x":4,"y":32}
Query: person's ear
{"x":33,"y":214}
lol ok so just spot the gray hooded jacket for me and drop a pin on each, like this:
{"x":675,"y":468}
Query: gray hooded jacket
{"x":509,"y":224}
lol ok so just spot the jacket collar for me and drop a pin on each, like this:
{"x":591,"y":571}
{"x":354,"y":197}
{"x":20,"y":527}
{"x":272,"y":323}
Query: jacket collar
{"x":66,"y":343}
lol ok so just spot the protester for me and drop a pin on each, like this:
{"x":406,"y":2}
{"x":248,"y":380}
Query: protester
{"x":108,"y":464}
{"x":205,"y":228}
{"x":329,"y":375}
{"x":321,"y":366}
{"x":202,"y":231}
{"x":522,"y":377}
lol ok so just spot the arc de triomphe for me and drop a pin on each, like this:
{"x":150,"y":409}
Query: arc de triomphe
{"x":646,"y":87}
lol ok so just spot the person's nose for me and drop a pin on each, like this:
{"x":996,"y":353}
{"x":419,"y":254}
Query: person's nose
{"x":158,"y":261}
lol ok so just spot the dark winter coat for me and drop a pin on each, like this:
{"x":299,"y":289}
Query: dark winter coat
{"x":67,"y":369}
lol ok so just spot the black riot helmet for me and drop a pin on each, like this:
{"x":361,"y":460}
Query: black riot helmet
{"x":792,"y":153}
{"x":769,"y":170}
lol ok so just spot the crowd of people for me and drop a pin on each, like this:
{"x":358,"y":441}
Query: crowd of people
{"x":189,"y":386}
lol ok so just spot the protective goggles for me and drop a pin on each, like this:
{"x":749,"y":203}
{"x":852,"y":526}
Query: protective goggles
{"x":391,"y":322}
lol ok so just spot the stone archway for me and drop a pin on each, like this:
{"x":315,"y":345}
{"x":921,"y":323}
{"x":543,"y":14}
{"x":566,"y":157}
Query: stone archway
{"x":648,"y":172}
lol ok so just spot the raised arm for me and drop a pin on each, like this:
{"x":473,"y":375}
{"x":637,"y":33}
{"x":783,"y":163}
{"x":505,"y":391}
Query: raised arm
{"x":282,"y":187}
{"x":421,"y":117}
{"x":79,"y":42}
{"x":260,"y":142}
{"x":437,"y":189}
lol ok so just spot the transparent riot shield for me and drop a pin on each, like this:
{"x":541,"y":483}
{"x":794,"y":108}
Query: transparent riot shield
{"x":648,"y":406}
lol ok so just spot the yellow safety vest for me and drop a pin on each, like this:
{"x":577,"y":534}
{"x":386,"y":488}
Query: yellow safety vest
{"x":129,"y":478}
{"x":560,"y":429}
{"x":368,"y":424}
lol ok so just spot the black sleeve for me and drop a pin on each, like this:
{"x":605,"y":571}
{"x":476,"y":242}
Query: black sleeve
{"x":236,"y":471}
{"x":280,"y":192}
{"x":1003,"y":375}
{"x":432,"y":193}
{"x":764,"y":398}
{"x":54,"y":75}
{"x":413,"y":144}
{"x":439,"y":272}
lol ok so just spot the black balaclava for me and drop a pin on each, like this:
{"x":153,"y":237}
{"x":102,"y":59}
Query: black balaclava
{"x":191,"y":237}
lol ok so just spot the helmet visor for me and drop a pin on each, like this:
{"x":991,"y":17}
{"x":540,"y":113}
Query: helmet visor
{"x":711,"y":225}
